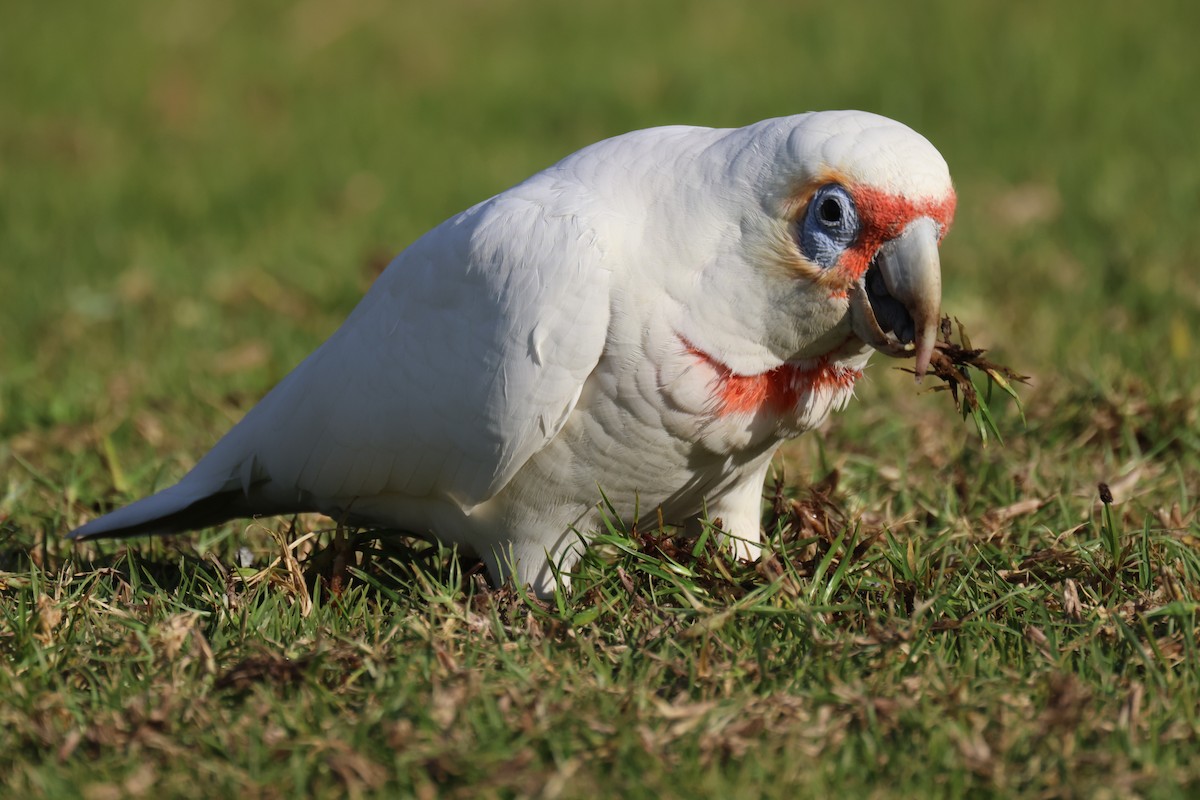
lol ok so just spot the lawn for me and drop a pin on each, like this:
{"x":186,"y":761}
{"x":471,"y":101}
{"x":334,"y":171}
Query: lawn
{"x":194,"y":194}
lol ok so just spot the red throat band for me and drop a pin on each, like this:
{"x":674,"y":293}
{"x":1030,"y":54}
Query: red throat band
{"x":778,"y":390}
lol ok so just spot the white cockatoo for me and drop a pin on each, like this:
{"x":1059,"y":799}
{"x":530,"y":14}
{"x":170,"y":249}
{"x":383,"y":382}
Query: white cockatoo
{"x":647,"y":320}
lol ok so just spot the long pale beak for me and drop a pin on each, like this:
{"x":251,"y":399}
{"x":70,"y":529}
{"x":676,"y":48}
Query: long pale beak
{"x":901,"y":294}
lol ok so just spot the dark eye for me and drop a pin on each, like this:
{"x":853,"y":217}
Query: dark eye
{"x":829,"y":226}
{"x":830,"y":211}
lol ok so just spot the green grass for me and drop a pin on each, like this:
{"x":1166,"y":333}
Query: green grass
{"x":192,"y":195}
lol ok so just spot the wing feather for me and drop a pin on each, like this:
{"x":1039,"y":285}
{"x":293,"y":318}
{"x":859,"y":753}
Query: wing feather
{"x":463,"y":360}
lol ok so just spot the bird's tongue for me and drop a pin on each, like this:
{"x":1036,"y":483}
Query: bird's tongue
{"x":896,"y":306}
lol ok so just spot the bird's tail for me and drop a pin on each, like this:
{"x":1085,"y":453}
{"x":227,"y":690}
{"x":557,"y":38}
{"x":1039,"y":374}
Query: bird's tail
{"x":170,"y":511}
{"x":200,"y":500}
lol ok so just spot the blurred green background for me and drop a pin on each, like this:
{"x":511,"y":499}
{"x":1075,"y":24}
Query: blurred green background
{"x":193,"y":193}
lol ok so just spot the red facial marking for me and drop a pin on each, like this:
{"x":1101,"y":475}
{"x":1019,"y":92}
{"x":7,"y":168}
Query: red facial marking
{"x":884,"y":216}
{"x":778,"y":390}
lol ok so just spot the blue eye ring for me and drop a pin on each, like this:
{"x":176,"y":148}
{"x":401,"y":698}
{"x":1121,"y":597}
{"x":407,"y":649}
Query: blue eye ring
{"x":832,"y":208}
{"x":829,"y":226}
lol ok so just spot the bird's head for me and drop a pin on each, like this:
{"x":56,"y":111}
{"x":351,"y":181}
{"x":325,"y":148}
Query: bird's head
{"x":864,"y":202}
{"x":841,"y":216}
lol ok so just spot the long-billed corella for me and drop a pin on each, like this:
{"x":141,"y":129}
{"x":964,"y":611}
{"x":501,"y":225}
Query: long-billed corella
{"x":647,"y":320}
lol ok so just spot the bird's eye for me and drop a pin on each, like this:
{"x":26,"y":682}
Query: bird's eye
{"x":829,"y":226}
{"x":830,"y":211}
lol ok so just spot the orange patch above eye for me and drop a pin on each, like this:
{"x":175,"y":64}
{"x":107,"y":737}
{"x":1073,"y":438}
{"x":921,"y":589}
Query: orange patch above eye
{"x":889,"y":214}
{"x":883,"y":216}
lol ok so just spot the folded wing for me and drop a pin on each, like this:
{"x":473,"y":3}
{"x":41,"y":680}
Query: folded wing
{"x":463,"y":360}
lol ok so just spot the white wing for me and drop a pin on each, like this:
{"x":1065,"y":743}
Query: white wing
{"x":462,"y":361}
